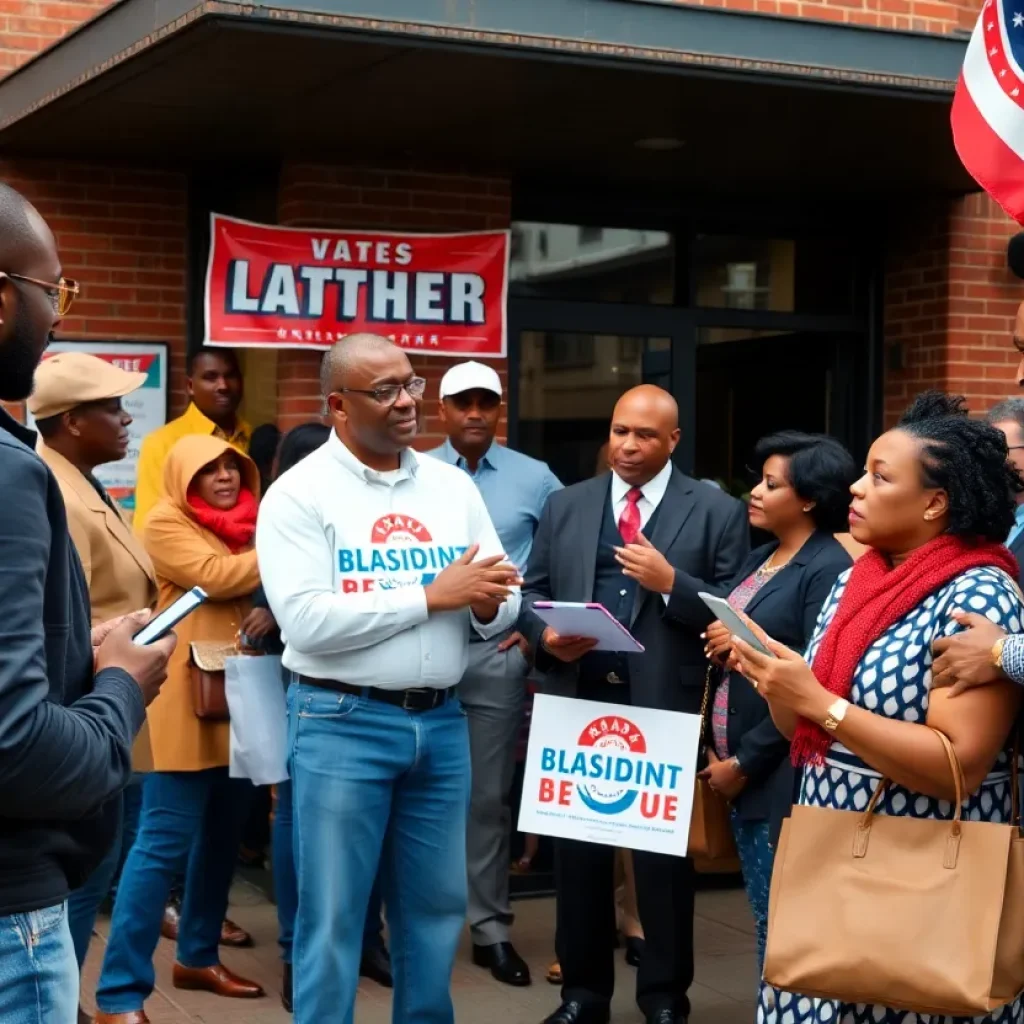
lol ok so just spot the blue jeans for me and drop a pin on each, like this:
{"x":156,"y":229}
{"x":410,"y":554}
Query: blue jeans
{"x":38,"y":973}
{"x":377,"y":786}
{"x":286,"y":884}
{"x":181,"y":811}
{"x":757,"y":858}
{"x":84,"y":903}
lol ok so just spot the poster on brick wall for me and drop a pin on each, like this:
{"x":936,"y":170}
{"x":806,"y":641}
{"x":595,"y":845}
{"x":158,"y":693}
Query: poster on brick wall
{"x":279,"y":287}
{"x":147,"y":406}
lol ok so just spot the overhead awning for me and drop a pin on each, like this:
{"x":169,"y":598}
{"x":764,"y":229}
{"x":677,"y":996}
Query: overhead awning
{"x":609,"y":90}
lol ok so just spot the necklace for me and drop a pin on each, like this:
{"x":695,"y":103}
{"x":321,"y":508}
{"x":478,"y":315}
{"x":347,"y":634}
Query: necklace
{"x":767,"y":570}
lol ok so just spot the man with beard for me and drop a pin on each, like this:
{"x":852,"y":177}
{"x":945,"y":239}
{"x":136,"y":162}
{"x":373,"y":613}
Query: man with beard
{"x":368,"y":555}
{"x":71,"y":698}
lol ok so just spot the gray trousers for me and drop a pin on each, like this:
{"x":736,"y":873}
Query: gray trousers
{"x":492,"y":692}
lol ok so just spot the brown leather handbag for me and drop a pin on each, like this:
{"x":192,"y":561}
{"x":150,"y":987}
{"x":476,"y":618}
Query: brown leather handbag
{"x":711,"y":836}
{"x":915,"y":914}
{"x":206,"y":665}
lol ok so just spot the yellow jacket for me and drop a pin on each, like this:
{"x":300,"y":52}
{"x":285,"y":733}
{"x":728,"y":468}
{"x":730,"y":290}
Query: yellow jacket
{"x":149,"y":487}
{"x":187,"y":555}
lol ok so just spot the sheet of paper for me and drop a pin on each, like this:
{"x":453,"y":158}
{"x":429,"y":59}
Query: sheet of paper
{"x":570,"y":618}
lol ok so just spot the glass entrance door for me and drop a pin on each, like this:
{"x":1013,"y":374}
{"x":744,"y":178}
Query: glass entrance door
{"x":570,"y":364}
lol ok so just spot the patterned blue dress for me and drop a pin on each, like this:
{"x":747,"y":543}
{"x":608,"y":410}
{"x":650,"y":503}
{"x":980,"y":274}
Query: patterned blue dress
{"x":893,"y":679}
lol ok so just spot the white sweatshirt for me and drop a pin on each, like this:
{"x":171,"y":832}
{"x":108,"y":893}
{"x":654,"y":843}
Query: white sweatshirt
{"x":345,"y":554}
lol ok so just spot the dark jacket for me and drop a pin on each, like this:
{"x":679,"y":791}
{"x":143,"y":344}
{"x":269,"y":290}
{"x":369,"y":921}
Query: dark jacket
{"x":1017,"y":550}
{"x":786,"y":608}
{"x":703,"y":534}
{"x":65,"y":736}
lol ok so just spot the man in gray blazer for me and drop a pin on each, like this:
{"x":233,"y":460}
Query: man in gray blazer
{"x":619,"y":539}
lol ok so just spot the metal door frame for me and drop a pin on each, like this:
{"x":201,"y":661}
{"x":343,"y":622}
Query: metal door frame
{"x":635,"y":321}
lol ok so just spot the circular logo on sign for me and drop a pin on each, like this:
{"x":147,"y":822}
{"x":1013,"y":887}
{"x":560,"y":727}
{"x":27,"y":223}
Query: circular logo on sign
{"x":611,"y":737}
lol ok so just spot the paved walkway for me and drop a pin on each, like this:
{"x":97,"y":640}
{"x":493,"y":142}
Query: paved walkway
{"x":723,"y":993}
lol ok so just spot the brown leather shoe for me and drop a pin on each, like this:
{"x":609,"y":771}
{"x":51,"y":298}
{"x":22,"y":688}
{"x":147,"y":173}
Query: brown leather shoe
{"x":134,"y":1017}
{"x":169,"y":924}
{"x":232,"y":935}
{"x":218,"y":980}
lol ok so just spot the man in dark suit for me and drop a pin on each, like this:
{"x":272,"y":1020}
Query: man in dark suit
{"x":619,"y":540}
{"x":1008,"y":416}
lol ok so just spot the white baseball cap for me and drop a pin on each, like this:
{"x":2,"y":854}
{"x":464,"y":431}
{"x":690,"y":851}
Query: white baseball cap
{"x":468,"y":377}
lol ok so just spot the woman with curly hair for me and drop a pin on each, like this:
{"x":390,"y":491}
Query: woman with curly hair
{"x":933,"y":506}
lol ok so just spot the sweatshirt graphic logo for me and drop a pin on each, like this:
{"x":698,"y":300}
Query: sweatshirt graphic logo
{"x":401,"y":553}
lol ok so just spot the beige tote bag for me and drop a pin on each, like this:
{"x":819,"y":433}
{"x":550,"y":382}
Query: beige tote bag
{"x":918,"y":915}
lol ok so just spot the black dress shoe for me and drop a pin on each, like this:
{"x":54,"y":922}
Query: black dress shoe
{"x":286,"y":988}
{"x":376,"y":965}
{"x":504,"y":963}
{"x":573,"y":1012}
{"x":634,"y":951}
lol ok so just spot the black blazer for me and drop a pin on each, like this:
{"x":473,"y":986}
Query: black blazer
{"x":786,"y":608}
{"x":700,"y":530}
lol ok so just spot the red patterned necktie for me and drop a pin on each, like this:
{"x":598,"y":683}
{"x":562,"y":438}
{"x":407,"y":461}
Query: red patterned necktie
{"x":629,"y":521}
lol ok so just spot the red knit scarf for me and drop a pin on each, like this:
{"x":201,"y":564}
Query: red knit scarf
{"x":235,"y":526}
{"x":876,"y":597}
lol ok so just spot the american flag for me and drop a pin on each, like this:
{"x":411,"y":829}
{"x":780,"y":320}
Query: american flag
{"x":988,"y":106}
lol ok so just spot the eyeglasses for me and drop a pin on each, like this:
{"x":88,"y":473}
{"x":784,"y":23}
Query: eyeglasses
{"x":387,"y":394}
{"x":61,"y":294}
{"x":1015,"y":448}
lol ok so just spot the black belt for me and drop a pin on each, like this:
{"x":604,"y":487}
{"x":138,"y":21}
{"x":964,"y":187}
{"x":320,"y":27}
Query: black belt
{"x":418,"y":698}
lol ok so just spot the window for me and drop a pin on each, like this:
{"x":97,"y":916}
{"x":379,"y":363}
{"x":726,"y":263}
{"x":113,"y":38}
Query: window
{"x":807,"y":275}
{"x":569,"y":261}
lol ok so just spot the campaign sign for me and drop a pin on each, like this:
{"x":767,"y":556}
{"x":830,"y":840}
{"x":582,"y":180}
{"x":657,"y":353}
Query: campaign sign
{"x":306,"y":288}
{"x":606,"y":773}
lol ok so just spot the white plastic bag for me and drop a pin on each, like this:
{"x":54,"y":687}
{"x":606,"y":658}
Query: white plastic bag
{"x":259,"y":719}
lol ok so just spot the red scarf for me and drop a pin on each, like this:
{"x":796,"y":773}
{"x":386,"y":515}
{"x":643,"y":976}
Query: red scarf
{"x":235,"y":526}
{"x":876,"y":597}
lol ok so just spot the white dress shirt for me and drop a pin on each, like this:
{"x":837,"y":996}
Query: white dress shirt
{"x":653,"y":491}
{"x":651,"y":494}
{"x":345,"y":555}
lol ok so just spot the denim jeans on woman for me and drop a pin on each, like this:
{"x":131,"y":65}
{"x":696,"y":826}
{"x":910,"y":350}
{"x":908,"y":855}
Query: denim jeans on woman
{"x":38,"y":973}
{"x":84,"y":903}
{"x":286,"y":884}
{"x":375,"y":785}
{"x":180,"y":810}
{"x":757,"y":857}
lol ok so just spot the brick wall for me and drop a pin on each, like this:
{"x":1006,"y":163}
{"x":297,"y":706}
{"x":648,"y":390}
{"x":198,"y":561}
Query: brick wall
{"x":28,"y":26}
{"x":906,"y":15}
{"x":408,"y":199}
{"x":950,"y":303}
{"x":121,"y":233}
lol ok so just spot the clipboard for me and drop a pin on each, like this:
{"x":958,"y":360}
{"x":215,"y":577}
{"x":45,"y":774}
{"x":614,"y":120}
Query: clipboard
{"x":575,"y":618}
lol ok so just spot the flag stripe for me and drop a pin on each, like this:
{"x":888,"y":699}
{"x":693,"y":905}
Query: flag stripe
{"x":987,"y":158}
{"x":1004,"y":115}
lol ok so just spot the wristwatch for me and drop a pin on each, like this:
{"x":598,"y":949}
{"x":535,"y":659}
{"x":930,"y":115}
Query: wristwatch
{"x":997,"y":652}
{"x":835,"y":714}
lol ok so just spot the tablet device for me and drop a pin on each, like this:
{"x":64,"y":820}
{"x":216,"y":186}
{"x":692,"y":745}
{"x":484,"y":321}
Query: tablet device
{"x":726,"y":614}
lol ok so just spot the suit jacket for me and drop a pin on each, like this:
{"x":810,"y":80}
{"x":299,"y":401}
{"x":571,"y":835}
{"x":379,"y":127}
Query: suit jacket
{"x":118,"y":572}
{"x":786,"y":608}
{"x":1017,"y":550}
{"x":700,"y":530}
